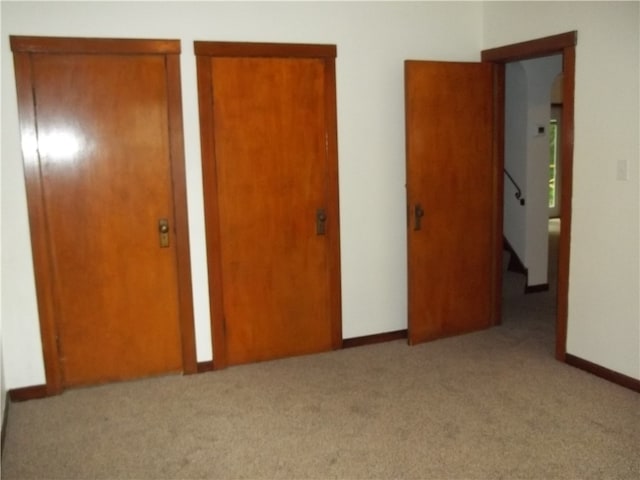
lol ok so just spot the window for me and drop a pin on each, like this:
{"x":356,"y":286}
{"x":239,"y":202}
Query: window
{"x":553,"y":166}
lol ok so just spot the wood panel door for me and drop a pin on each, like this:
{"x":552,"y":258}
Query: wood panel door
{"x":271,"y":202}
{"x":102,"y":144}
{"x":451,"y":195}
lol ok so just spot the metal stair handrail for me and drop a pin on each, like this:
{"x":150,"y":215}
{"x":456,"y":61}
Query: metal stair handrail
{"x":518,"y":190}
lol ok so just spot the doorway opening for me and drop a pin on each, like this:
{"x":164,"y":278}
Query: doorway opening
{"x":563,"y":44}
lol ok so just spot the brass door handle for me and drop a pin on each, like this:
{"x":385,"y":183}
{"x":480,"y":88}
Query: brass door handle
{"x":321,"y":218}
{"x":418,"y":213}
{"x":163,"y":230}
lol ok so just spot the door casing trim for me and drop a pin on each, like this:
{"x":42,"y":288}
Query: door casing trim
{"x":564,"y":44}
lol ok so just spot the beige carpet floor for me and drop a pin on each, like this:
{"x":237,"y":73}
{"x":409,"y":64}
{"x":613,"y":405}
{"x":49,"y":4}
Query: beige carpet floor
{"x":492,"y":404}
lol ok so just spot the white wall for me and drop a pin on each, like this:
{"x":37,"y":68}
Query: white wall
{"x":528,"y":106}
{"x":3,"y":386}
{"x":515,"y":157}
{"x":604,"y":285}
{"x":373,"y":39}
{"x":540,"y":73}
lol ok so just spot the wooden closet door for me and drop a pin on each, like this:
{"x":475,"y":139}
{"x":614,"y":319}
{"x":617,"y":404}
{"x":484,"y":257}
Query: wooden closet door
{"x":100,"y":184}
{"x":271,"y":203}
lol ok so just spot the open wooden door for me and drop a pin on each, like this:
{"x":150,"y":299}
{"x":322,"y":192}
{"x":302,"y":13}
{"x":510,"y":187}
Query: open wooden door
{"x":268,"y":130}
{"x":452,"y":229}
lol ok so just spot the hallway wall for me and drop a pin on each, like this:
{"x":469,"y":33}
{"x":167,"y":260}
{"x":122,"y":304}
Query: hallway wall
{"x":528,"y":107}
